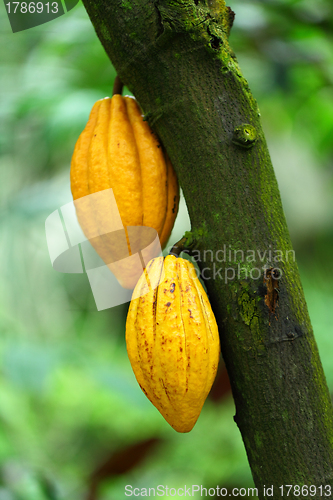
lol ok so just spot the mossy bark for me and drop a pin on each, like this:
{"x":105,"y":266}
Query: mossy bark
{"x":175,"y":57}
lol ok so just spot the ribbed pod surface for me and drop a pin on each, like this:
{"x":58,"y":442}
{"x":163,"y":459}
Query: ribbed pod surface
{"x":172,"y":340}
{"x":118,"y":150}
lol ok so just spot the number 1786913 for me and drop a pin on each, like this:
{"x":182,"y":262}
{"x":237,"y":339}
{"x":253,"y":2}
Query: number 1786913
{"x":32,"y":7}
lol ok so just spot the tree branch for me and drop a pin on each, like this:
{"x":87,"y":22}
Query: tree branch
{"x":175,"y":57}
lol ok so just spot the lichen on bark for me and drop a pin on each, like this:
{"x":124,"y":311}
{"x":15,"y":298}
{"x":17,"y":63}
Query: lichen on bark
{"x":176,"y":59}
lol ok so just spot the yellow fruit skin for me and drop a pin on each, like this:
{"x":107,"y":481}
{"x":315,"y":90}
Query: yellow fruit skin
{"x":173,"y":341}
{"x":118,"y":150}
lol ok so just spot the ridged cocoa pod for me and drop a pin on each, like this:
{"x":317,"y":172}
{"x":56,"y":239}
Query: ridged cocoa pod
{"x":172,"y":340}
{"x":118,"y":150}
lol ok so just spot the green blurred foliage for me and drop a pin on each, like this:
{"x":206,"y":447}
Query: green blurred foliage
{"x":68,"y":397}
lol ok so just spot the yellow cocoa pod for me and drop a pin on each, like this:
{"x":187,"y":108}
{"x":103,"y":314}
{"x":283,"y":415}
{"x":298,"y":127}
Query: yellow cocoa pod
{"x":172,"y":340}
{"x":118,"y":150}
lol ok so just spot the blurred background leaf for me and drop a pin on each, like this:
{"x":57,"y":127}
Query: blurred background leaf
{"x":74,"y":422}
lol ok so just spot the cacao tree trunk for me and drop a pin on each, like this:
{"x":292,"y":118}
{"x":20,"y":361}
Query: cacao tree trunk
{"x":175,"y":57}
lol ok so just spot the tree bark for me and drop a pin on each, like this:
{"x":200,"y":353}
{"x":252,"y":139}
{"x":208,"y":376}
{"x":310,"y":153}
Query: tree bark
{"x":175,"y":57}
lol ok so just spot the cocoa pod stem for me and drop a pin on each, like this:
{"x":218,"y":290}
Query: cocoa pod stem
{"x":117,"y":86}
{"x":182,"y":245}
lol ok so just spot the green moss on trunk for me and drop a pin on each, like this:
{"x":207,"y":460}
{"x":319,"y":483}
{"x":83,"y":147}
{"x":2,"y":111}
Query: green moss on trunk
{"x":175,"y":57}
